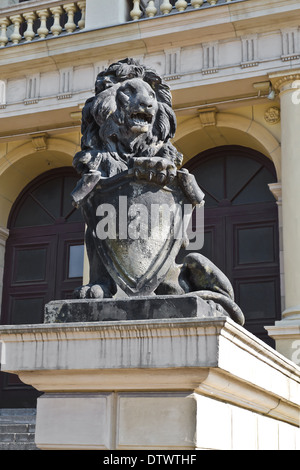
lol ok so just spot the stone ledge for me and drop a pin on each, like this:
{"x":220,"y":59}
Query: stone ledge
{"x":210,"y":356}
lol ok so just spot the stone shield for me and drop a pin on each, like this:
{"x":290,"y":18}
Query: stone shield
{"x":139,"y":227}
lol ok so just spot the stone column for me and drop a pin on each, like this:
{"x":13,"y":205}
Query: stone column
{"x":289,"y":91}
{"x":288,"y":87}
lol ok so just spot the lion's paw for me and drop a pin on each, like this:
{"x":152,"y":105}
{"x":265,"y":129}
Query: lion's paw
{"x":155,"y":169}
{"x":89,"y":291}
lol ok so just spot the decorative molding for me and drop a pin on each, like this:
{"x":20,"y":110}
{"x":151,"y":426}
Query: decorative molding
{"x":286,"y":81}
{"x":272,"y":115}
{"x":172,"y":64}
{"x":65,"y":83}
{"x":32,"y":89}
{"x":207,"y":116}
{"x":3,"y":86}
{"x":39,"y":141}
{"x":290,"y":44}
{"x":210,"y":58}
{"x":4,"y":233}
{"x":249,"y":51}
{"x":276,"y":190}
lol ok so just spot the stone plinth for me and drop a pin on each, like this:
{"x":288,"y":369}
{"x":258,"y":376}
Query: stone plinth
{"x":166,"y":384}
{"x":130,"y":308}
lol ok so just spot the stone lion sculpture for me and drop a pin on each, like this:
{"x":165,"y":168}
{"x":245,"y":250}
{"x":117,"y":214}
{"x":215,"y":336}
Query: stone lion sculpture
{"x":129,"y":119}
{"x":128,"y":125}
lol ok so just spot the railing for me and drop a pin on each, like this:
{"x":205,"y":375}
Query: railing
{"x":23,"y":23}
{"x":151,"y":8}
{"x":40,"y":19}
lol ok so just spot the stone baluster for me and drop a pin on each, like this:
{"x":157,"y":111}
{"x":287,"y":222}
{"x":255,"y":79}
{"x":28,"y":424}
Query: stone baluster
{"x":43,"y":30}
{"x":212,"y":2}
{"x":4,"y":22}
{"x":82,"y":7}
{"x":16,"y":21}
{"x":29,"y":33}
{"x":151,"y":10}
{"x":136,"y":12}
{"x":181,"y":5}
{"x":196,"y":3}
{"x":166,"y":7}
{"x":70,"y":25}
{"x":56,"y":29}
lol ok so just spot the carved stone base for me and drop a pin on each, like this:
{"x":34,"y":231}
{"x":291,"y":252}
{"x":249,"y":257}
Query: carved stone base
{"x":133,"y":308}
{"x":164,"y":384}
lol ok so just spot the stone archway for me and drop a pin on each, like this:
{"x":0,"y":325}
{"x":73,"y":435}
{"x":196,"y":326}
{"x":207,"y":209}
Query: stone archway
{"x":227,"y":129}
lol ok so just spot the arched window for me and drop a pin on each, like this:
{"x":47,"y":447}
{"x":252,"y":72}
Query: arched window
{"x":241,"y":229}
{"x":43,"y":260}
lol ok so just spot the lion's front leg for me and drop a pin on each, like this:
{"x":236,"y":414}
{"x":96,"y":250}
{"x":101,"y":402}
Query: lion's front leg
{"x":100,"y":285}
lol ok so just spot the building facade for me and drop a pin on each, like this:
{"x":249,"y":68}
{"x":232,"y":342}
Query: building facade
{"x":234,"y":71}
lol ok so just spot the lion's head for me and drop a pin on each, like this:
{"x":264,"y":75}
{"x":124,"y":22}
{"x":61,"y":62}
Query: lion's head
{"x":130,"y":115}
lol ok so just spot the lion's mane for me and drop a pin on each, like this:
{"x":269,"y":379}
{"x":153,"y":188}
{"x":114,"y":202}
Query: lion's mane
{"x":103,"y":137}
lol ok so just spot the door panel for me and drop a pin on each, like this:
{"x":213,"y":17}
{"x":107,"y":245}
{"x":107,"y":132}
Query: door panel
{"x":241,"y":229}
{"x":253,"y":266}
{"x":43,"y":262}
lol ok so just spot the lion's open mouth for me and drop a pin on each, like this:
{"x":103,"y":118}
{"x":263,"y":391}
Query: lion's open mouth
{"x":141,"y":119}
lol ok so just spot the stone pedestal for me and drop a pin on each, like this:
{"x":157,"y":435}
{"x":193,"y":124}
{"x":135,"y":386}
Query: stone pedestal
{"x":164,"y":384}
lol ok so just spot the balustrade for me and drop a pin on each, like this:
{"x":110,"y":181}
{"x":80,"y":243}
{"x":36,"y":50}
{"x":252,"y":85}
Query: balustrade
{"x":26,"y":25}
{"x":23,"y":23}
{"x":151,"y":8}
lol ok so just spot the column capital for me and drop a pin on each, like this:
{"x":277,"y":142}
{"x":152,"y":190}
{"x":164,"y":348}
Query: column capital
{"x":285,"y":81}
{"x":276,"y":190}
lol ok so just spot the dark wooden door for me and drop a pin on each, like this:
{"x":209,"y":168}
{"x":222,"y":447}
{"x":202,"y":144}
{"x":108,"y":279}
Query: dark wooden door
{"x":43,"y":262}
{"x":241,"y":229}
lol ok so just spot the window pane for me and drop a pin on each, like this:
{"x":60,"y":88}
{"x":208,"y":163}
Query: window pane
{"x":76,"y":255}
{"x":49,"y":195}
{"x":257,"y":300}
{"x":210,"y":177}
{"x":256,"y":245}
{"x":257,"y":190}
{"x":238,"y":171}
{"x":30,"y":265}
{"x":31,"y":214}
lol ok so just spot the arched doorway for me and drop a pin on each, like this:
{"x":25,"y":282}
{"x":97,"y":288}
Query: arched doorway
{"x":43,"y":261}
{"x":241,"y":229}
